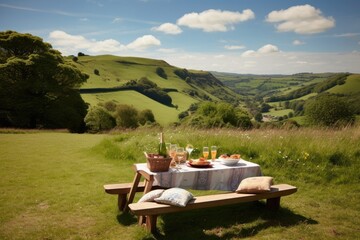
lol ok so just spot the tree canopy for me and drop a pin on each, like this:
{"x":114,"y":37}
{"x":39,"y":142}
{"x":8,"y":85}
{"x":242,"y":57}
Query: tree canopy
{"x":328,"y":110}
{"x":37,"y":87}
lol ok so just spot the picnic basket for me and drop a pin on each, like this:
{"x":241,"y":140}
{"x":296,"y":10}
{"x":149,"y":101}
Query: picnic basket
{"x":157,"y":163}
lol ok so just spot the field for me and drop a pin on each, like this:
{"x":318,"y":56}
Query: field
{"x":115,"y":71}
{"x":52,"y":185}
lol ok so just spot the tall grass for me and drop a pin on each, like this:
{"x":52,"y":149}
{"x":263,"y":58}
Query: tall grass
{"x":51,"y":184}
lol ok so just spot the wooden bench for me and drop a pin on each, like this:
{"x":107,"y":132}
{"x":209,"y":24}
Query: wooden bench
{"x":122,"y":190}
{"x":151,"y":210}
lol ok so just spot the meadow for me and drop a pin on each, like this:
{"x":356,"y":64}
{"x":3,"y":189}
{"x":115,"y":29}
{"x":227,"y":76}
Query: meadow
{"x":51,"y":184}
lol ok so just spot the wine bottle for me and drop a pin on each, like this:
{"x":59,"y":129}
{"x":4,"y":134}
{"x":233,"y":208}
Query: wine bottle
{"x":162,"y":147}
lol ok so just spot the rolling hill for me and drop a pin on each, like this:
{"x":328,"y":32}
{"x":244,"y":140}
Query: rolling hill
{"x":108,"y":74}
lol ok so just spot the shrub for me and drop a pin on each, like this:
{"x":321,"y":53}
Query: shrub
{"x":98,"y":119}
{"x":328,"y":110}
{"x":96,"y":72}
{"x":210,"y":114}
{"x":126,"y":116}
{"x":110,"y":106}
{"x":161,"y":72}
{"x":146,"y":116}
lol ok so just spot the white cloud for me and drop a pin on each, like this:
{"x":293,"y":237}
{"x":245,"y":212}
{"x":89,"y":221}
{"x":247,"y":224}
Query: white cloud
{"x":168,"y":28}
{"x":234,"y":47}
{"x":302,"y":19}
{"x":144,"y":42}
{"x":167,"y":50}
{"x":279,"y":63}
{"x":248,"y":53}
{"x":69,"y":44}
{"x":268,"y":48}
{"x":215,"y":20}
{"x":347,"y":35}
{"x":298,"y":42}
{"x":264,"y":50}
{"x":117,"y":19}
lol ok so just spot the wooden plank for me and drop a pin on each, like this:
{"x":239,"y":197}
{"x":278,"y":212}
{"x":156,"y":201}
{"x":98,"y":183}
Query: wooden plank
{"x":124,"y":188}
{"x":153,"y":208}
{"x":121,"y":188}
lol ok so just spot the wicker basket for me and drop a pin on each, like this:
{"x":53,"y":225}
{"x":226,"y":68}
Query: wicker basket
{"x":156,"y":163}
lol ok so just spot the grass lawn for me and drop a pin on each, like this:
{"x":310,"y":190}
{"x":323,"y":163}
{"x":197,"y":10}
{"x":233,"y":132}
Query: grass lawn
{"x":51,"y":185}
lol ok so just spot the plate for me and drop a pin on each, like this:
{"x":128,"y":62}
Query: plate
{"x":199,"y":165}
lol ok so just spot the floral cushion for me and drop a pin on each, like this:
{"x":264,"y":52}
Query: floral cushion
{"x":175,"y":196}
{"x":255,"y":185}
{"x":150,"y":196}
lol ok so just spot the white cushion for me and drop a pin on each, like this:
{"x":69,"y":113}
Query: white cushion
{"x":150,"y":196}
{"x":175,"y":196}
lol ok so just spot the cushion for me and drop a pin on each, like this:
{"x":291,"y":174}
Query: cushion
{"x":150,"y":196}
{"x":175,"y":196}
{"x":255,"y":185}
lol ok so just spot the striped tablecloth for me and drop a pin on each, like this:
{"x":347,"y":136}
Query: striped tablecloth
{"x":218,"y":177}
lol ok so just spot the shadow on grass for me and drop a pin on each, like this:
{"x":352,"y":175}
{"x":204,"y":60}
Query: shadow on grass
{"x":240,"y":221}
{"x":126,"y":218}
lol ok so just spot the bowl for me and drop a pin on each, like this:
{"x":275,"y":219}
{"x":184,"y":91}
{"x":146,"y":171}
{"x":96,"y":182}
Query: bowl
{"x":228,"y":161}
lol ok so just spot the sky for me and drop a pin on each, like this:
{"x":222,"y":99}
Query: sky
{"x":234,"y":36}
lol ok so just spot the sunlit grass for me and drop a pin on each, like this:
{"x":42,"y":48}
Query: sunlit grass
{"x":51,"y":184}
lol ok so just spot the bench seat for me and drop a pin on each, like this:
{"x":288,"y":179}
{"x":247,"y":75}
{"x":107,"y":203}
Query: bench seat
{"x":152,"y":209}
{"x":122,"y":190}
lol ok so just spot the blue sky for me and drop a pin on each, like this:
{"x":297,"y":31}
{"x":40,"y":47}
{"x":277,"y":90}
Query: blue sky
{"x":239,"y":36}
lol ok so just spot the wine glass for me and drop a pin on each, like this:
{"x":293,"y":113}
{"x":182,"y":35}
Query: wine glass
{"x":180,"y":152}
{"x":168,"y":148}
{"x":189,"y":148}
{"x":205,"y":152}
{"x":172,"y":151}
{"x":213,"y":152}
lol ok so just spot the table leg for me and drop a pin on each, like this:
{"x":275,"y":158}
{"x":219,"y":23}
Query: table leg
{"x":133,"y":190}
{"x":149,"y":181}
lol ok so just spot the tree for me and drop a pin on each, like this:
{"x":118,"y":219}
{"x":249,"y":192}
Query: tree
{"x":146,"y":116}
{"x":161,"y":72}
{"x":37,"y":87}
{"x":98,"y":119}
{"x":126,"y":116}
{"x":328,"y":110}
{"x":258,"y":117}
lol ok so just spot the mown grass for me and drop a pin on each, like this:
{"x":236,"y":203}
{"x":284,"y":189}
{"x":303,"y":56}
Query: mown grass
{"x":51,"y":185}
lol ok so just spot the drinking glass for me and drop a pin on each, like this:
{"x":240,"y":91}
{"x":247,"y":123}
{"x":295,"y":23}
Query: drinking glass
{"x":180,"y":155}
{"x":172,"y":151}
{"x":213,"y":152}
{"x":189,"y":148}
{"x":168,"y":148}
{"x":205,"y":152}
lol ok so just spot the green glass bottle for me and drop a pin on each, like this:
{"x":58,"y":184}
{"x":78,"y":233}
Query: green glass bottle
{"x":162,"y":147}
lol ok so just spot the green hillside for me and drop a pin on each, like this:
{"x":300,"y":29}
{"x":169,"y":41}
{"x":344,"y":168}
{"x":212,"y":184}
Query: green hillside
{"x":280,"y":90}
{"x":351,"y":86}
{"x":187,"y":86}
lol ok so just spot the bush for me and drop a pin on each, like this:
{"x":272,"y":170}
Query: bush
{"x":110,"y":106}
{"x":160,"y":71}
{"x":210,"y":114}
{"x":146,"y":116}
{"x":96,"y":72}
{"x":98,"y":119}
{"x":328,"y":110}
{"x":126,"y":116}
